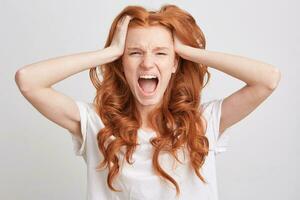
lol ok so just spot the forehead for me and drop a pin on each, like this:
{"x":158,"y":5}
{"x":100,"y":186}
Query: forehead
{"x":152,"y":36}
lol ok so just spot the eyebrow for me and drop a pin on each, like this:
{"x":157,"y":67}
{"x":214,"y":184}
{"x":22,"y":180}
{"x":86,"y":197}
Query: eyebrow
{"x":156,"y":48}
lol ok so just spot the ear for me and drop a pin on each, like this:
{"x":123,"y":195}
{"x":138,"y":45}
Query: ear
{"x":176,"y":62}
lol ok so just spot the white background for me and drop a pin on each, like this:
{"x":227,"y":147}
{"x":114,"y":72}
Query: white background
{"x":37,"y":159}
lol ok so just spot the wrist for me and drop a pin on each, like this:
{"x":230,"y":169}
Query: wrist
{"x":116,"y":52}
{"x":107,"y":55}
{"x":191,"y":53}
{"x":184,"y":51}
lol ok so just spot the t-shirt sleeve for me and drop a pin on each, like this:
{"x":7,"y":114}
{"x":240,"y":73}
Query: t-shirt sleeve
{"x":212,"y":112}
{"x":79,"y":146}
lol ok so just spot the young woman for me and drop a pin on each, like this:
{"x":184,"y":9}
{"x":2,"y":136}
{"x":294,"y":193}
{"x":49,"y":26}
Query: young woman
{"x":147,"y":135}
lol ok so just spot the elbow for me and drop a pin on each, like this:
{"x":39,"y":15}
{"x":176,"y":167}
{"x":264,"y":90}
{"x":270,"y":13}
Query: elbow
{"x":18,"y":77}
{"x":275,"y":78}
{"x":20,"y":80}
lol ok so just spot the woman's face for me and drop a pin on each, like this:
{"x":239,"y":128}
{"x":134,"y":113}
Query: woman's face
{"x":149,"y":51}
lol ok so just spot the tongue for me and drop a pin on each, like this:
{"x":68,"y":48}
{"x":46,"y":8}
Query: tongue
{"x":148,"y":85}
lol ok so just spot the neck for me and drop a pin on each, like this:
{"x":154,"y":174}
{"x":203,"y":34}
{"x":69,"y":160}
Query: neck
{"x":144,"y":111}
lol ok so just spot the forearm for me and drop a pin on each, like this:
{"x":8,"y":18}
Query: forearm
{"x":250,"y":71}
{"x":48,"y":72}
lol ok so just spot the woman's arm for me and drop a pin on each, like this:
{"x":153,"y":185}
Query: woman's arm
{"x":35,"y":80}
{"x":46,"y":73}
{"x":261,"y":79}
{"x":35,"y":83}
{"x":250,"y":71}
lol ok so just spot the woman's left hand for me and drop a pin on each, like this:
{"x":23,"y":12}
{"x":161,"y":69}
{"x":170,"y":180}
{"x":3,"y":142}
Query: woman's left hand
{"x":179,"y":46}
{"x":187,"y":52}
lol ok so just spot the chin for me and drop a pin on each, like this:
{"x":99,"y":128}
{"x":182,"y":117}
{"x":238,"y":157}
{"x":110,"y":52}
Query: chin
{"x":148,"y":102}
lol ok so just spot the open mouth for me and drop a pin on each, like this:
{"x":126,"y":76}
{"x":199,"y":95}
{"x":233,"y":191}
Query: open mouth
{"x":148,"y":86}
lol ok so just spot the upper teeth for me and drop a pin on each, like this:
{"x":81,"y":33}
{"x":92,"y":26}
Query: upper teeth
{"x":148,"y":76}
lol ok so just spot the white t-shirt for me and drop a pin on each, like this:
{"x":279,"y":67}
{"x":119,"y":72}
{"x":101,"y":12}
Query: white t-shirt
{"x":138,"y":181}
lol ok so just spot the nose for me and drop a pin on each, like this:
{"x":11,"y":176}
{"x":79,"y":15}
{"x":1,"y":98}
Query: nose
{"x":148,"y":61}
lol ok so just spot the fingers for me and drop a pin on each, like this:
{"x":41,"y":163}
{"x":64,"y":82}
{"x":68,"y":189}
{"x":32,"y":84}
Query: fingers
{"x":124,"y":20}
{"x":119,"y":36}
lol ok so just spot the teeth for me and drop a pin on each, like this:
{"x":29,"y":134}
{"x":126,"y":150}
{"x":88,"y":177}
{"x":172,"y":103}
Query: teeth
{"x":148,"y":76}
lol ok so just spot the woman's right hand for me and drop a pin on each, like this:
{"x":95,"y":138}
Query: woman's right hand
{"x":118,"y":41}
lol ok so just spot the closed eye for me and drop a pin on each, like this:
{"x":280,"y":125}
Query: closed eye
{"x":134,"y":53}
{"x":139,"y":53}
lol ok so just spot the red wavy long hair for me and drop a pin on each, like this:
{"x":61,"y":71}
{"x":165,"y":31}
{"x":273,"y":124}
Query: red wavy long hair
{"x":177,"y":120}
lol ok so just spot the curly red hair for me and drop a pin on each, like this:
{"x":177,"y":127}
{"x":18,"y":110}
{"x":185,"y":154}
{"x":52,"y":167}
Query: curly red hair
{"x":177,"y":119}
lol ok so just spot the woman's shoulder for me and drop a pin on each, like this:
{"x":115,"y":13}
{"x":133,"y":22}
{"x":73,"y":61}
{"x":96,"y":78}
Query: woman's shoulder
{"x":211,"y":108}
{"x":90,"y":110}
{"x":211,"y":113}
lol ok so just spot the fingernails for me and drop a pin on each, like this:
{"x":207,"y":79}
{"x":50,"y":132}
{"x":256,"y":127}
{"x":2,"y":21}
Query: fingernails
{"x":125,"y":17}
{"x":129,"y":17}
